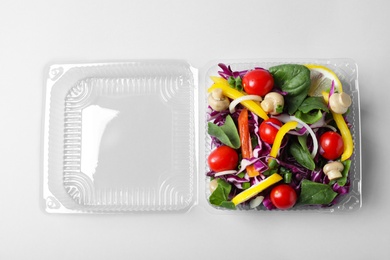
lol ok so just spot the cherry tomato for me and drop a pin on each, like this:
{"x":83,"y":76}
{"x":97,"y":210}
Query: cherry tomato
{"x":267,"y":131}
{"x":222,"y":159}
{"x":283,"y":196}
{"x":258,"y":82}
{"x":331,"y":145}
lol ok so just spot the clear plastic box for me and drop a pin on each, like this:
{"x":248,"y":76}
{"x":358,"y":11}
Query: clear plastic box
{"x":131,"y":136}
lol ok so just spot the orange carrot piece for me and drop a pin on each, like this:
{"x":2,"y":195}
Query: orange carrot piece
{"x":246,"y":144}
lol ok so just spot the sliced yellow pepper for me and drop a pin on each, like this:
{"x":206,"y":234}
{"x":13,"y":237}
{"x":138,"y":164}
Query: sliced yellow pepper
{"x":255,"y":189}
{"x":344,"y":131}
{"x":279,"y":137}
{"x":219,"y":80}
{"x":233,"y":94}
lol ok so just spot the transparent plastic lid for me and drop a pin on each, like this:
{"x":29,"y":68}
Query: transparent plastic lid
{"x":132,"y":136}
{"x":119,"y":137}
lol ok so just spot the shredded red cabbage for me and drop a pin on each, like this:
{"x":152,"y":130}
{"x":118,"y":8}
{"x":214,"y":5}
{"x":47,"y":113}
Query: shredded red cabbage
{"x":268,"y":203}
{"x":331,"y":89}
{"x":227,"y":72}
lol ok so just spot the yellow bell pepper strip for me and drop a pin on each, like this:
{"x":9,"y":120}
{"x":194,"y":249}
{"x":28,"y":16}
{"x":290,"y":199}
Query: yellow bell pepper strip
{"x":245,"y":138}
{"x":219,"y":80}
{"x":233,"y":94}
{"x":257,"y":188}
{"x":279,"y":137}
{"x":344,"y":131}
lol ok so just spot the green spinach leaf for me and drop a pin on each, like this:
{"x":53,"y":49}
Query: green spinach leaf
{"x":293,"y":79}
{"x":226,"y":133}
{"x":220,"y":195}
{"x":302,"y":139}
{"x":228,"y":204}
{"x":310,"y":111}
{"x":343,"y":180}
{"x":301,"y":153}
{"x":314,"y":193}
{"x":311,"y":103}
{"x":309,"y":118}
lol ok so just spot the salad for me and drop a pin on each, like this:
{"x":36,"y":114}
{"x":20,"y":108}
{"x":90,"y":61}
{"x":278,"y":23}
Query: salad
{"x":279,"y":137}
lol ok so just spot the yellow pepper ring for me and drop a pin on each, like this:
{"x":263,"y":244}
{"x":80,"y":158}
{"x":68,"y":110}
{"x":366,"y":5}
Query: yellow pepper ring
{"x":233,"y":94}
{"x":344,"y":131}
{"x":255,"y":189}
{"x":279,"y":136}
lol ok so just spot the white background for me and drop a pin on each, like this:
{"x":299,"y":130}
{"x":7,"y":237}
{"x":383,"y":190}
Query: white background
{"x":36,"y":33}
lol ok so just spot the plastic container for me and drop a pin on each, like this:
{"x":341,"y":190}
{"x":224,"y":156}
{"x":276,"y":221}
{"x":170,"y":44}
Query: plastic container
{"x":131,"y":136}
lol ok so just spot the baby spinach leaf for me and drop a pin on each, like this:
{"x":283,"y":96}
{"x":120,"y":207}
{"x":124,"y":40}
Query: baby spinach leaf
{"x":343,"y":180}
{"x":219,"y":197}
{"x":310,"y":111}
{"x":314,"y":193}
{"x":228,"y":204}
{"x":301,"y":153}
{"x":309,"y":118}
{"x":293,"y":79}
{"x":226,"y":133}
{"x":311,"y":103}
{"x":302,"y":139}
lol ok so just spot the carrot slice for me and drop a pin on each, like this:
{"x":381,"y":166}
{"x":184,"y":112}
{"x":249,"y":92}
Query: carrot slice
{"x":246,"y":145}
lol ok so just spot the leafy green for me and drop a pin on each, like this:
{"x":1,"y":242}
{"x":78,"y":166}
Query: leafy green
{"x":343,"y":180}
{"x":220,"y":195}
{"x":235,"y":83}
{"x":314,"y":193}
{"x":228,"y":205}
{"x":293,"y":79}
{"x":226,"y":133}
{"x":311,"y":103}
{"x":302,"y":139}
{"x":301,"y":153}
{"x":310,"y":111}
{"x":309,"y":118}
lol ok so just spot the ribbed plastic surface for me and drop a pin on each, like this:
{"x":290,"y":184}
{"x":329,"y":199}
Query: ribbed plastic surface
{"x":119,"y":137}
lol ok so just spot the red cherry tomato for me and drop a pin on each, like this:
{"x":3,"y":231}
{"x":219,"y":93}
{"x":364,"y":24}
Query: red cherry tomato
{"x":258,"y":82}
{"x":267,"y":131}
{"x":331,"y":145}
{"x":223,"y":158}
{"x":283,"y":196}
